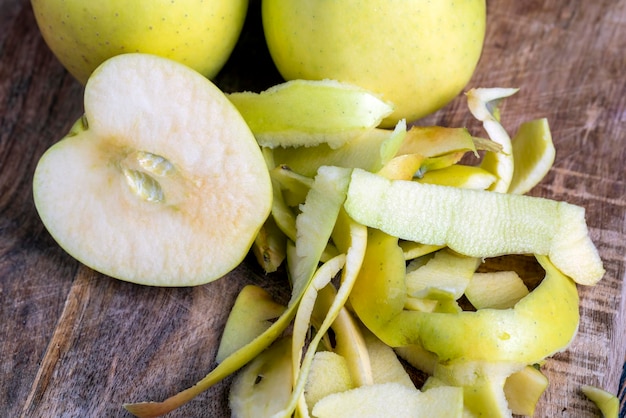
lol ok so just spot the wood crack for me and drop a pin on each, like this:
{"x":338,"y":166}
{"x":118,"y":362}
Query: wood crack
{"x":61,"y":340}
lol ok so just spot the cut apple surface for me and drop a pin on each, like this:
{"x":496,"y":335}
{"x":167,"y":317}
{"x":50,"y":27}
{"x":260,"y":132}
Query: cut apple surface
{"x":161,"y":183}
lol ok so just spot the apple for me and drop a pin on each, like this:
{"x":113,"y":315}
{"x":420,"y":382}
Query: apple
{"x":160,"y":183}
{"x":416,"y":54}
{"x":199,"y":34}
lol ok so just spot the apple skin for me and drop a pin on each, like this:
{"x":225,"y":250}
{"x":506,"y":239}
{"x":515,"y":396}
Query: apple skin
{"x":83,"y":34}
{"x":417,"y":54}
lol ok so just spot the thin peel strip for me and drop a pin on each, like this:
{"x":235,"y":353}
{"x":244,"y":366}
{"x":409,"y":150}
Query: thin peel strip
{"x":354,"y":258}
{"x":369,"y":151}
{"x":607,"y":403}
{"x":315,"y":223}
{"x":322,"y":277}
{"x":247,"y":320}
{"x":483,"y":104}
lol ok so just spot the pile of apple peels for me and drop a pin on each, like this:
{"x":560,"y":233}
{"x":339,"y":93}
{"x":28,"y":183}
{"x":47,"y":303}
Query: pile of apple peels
{"x":383,"y":234}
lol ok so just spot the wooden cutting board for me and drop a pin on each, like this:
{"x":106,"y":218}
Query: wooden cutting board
{"x":74,"y":343}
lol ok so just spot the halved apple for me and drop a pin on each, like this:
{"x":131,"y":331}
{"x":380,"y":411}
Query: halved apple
{"x":160,"y":183}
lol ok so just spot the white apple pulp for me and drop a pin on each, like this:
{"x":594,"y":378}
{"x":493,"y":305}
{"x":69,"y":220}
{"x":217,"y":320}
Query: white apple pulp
{"x":163,"y":185}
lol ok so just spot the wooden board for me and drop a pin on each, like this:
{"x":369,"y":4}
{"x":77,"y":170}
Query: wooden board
{"x":75,"y":343}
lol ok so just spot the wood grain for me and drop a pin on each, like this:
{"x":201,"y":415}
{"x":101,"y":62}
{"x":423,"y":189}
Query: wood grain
{"x":74,"y":343}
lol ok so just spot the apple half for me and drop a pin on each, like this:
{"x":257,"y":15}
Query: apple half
{"x":161,"y":182}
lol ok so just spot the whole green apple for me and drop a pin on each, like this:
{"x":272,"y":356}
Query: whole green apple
{"x":417,"y":54}
{"x":83,"y":34}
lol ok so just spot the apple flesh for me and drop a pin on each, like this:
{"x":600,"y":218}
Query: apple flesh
{"x":83,"y":34}
{"x":161,"y":183}
{"x":329,"y":374}
{"x":391,"y":400}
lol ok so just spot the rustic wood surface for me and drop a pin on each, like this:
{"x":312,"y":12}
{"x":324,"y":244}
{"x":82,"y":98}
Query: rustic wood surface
{"x":74,"y":343}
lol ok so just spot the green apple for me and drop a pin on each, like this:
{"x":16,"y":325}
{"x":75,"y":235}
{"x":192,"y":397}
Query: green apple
{"x":199,"y":34}
{"x":417,"y":54}
{"x":160,"y":183}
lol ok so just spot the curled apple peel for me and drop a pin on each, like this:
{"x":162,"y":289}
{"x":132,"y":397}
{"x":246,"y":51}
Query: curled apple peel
{"x":607,"y":402}
{"x":441,"y":215}
{"x":308,"y":112}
